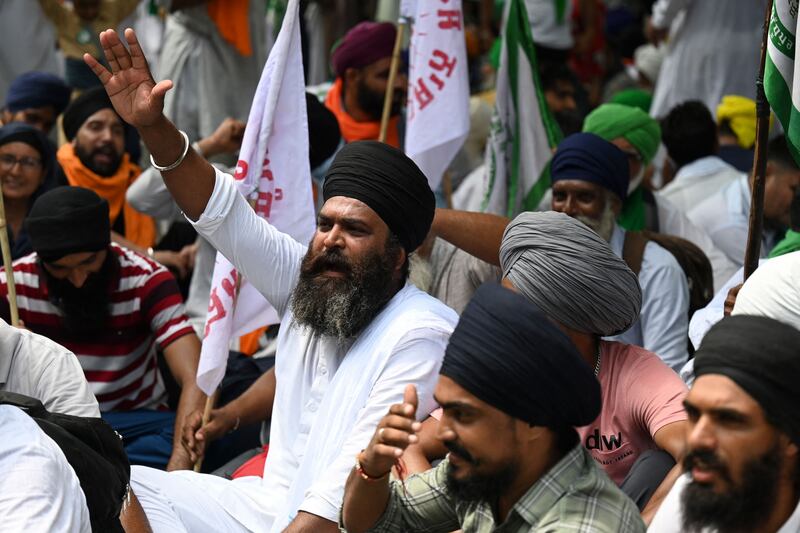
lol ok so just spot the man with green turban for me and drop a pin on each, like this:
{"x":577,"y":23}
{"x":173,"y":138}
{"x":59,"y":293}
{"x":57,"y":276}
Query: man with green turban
{"x":638,"y":135}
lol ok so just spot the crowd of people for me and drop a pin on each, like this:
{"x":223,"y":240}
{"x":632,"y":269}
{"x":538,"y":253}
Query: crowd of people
{"x":599,"y":363}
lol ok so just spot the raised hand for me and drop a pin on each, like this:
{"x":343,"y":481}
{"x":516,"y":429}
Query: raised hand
{"x":395,"y":433}
{"x":136,"y":97}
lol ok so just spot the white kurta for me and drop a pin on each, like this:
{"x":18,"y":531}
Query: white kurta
{"x":712,"y":50}
{"x":39,"y":490}
{"x":663,"y":322}
{"x":698,"y":180}
{"x":329,"y":397}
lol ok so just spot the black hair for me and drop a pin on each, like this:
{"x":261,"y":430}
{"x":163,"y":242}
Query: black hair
{"x":566,"y":439}
{"x":551,"y":73}
{"x":689,"y":132}
{"x":393,"y":248}
{"x":778,"y":153}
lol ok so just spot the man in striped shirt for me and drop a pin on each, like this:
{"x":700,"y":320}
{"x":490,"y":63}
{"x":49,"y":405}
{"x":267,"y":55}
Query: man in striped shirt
{"x":113,"y":308}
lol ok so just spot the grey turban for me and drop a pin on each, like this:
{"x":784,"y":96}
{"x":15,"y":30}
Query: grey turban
{"x":570,"y":273}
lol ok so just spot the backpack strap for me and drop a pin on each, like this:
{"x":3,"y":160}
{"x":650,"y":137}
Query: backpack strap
{"x":633,"y":250}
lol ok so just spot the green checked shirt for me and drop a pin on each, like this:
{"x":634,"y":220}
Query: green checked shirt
{"x":575,"y":495}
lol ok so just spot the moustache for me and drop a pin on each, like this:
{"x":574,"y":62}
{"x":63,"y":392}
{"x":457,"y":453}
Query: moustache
{"x":331,"y":260}
{"x":106,"y":149}
{"x":460,"y":451}
{"x":707,"y":460}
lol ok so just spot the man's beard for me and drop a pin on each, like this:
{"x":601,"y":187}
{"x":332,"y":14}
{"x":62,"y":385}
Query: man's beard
{"x":603,"y":226}
{"x":342,"y":307}
{"x":372,"y":102}
{"x":101,"y":169}
{"x":85,"y":309}
{"x":420,"y":272}
{"x":477,"y":488}
{"x":743,"y":507}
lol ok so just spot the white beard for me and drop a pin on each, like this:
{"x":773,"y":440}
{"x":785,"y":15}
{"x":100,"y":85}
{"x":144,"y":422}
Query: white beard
{"x":603,"y":226}
{"x":420,"y":272}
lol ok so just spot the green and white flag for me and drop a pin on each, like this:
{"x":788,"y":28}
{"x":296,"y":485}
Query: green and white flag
{"x":781,"y":80}
{"x":523,"y":132}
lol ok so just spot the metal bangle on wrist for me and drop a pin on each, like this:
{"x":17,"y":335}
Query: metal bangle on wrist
{"x":179,"y":160}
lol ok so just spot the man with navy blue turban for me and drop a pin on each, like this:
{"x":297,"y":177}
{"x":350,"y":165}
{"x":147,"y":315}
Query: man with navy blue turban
{"x":590,"y":182}
{"x":36,"y":98}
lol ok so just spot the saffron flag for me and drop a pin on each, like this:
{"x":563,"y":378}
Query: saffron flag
{"x":437,"y":120}
{"x":273,"y":172}
{"x":523,"y":131}
{"x":781,"y":80}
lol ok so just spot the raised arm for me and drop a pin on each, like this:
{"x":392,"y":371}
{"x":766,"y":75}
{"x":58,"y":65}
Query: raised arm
{"x":479,"y":234}
{"x":139,"y":100}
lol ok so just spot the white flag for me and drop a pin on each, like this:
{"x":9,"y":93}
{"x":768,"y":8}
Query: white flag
{"x":437,"y":122}
{"x":273,"y":170}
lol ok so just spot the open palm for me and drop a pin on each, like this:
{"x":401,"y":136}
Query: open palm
{"x":136,"y":97}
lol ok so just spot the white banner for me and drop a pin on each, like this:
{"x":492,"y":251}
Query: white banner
{"x":437,"y":121}
{"x":273,"y":171}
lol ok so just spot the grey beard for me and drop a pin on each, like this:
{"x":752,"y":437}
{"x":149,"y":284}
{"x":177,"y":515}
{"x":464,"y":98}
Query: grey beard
{"x":420,"y":272}
{"x":604,"y":226}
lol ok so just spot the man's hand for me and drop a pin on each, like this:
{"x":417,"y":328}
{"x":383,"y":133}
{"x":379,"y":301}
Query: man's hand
{"x":179,"y":460}
{"x":136,"y":97}
{"x":227,"y":138}
{"x":655,"y":35}
{"x":172,"y":260}
{"x":196,"y":438}
{"x":396,"y":431}
{"x":730,"y":300}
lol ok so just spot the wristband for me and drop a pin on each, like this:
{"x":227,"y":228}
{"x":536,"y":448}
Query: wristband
{"x":180,"y":159}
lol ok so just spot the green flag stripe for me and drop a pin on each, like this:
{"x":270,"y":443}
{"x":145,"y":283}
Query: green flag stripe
{"x":780,"y":36}
{"x":779,"y":96}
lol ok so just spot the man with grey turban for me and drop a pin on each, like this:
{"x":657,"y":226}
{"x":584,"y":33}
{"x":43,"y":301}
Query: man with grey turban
{"x":575,"y":278}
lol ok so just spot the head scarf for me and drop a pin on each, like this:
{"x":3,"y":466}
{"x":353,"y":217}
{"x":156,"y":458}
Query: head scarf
{"x":387,"y":181}
{"x":587,"y":157}
{"x":37,"y":89}
{"x":87,"y":104}
{"x":740,"y":112}
{"x":363,"y":45}
{"x":773,"y":291}
{"x":612,"y":121}
{"x":20,"y":132}
{"x":570,"y":273}
{"x":68,"y":220}
{"x":638,"y":98}
{"x":760,"y":355}
{"x":648,"y":59}
{"x":508,"y":354}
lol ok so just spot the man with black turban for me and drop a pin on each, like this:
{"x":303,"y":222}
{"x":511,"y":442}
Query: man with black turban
{"x":590,"y":182}
{"x":512,"y":387}
{"x":742,"y":471}
{"x":353,"y":332}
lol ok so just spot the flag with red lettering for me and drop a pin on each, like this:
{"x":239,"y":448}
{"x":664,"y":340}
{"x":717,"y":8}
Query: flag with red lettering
{"x":273,"y":172}
{"x":437,"y":120}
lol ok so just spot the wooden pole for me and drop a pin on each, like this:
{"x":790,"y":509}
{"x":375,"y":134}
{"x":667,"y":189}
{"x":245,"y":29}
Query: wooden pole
{"x":756,"y":230}
{"x":395,"y":65}
{"x":210,"y":401}
{"x":7,"y":263}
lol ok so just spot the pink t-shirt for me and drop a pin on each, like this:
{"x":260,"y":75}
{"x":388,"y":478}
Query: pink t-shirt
{"x":640,"y":396}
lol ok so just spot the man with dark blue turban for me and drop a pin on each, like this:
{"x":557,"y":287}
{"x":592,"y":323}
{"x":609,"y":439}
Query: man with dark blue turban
{"x":36,"y":98}
{"x":513,"y":387}
{"x":590,"y":182}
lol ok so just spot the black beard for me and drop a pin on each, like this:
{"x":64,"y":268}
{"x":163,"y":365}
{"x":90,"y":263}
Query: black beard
{"x":87,"y":158}
{"x":372,"y":103}
{"x":87,"y":309}
{"x":742,"y":508}
{"x":479,"y":487}
{"x":342,"y":307}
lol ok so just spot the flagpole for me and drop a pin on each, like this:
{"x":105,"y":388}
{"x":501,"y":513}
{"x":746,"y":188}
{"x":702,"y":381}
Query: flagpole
{"x":395,"y":65}
{"x":7,"y":263}
{"x":756,"y":229}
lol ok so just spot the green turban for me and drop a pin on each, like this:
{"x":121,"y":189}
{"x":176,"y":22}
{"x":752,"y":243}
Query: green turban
{"x":612,"y":121}
{"x":634,"y":98}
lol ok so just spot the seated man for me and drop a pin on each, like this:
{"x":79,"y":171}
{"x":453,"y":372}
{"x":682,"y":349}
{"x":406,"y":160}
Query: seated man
{"x":35,"y":366}
{"x":741,"y":466}
{"x":353,"y":332}
{"x":512,"y":387}
{"x":112,"y":307}
{"x":37,"y":99}
{"x":726,"y":214}
{"x":590,"y":181}
{"x":638,"y":436}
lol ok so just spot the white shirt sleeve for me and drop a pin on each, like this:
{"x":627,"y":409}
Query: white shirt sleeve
{"x":39,"y":490}
{"x":267,"y":258}
{"x":665,"y":11}
{"x":411,"y":363}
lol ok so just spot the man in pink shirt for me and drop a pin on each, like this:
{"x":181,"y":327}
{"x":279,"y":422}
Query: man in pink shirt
{"x":573,"y":276}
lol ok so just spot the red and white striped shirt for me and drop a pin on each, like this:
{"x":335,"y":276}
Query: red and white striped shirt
{"x":146,"y":308}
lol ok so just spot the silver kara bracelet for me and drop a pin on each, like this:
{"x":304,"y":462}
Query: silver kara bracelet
{"x":180,"y":159}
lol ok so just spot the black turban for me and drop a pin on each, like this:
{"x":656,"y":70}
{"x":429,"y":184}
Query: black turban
{"x":509,"y":355}
{"x":68,"y":220}
{"x":387,"y":181}
{"x":323,"y":132}
{"x":587,"y":157}
{"x":762,"y":356}
{"x":83,"y":107}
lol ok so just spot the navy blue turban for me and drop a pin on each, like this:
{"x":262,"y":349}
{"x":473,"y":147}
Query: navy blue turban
{"x":509,"y":355}
{"x":760,"y":355}
{"x":587,"y":157}
{"x":37,"y":89}
{"x":387,"y":181}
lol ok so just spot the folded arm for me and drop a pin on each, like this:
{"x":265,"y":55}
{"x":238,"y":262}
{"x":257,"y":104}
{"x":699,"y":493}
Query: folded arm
{"x":479,"y":234}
